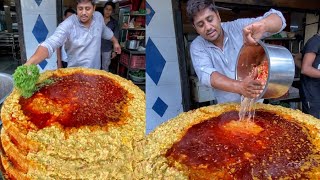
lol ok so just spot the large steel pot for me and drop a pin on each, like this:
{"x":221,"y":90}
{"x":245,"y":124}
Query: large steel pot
{"x":6,"y":87}
{"x":280,"y":62}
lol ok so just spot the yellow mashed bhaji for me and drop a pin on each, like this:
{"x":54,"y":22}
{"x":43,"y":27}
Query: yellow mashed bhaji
{"x":211,"y":143}
{"x":88,"y":124}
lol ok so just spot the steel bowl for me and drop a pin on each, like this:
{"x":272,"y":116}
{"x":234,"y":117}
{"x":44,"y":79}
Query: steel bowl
{"x":6,"y":87}
{"x":132,"y":44}
{"x":280,"y":62}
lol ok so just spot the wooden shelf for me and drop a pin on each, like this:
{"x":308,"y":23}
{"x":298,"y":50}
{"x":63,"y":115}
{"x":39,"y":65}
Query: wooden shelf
{"x":134,"y":29}
{"x":134,"y":14}
{"x":137,"y":83}
{"x":134,"y":51}
{"x":131,"y":68}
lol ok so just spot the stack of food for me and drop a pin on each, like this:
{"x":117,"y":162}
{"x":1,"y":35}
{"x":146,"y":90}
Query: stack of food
{"x":84,"y":124}
{"x":211,"y":143}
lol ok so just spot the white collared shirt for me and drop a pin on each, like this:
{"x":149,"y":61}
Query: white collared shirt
{"x":208,"y":58}
{"x":82,"y":44}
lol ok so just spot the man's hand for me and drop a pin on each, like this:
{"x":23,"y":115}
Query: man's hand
{"x":40,"y":55}
{"x":253,"y":33}
{"x":117,"y":48}
{"x":113,"y":55}
{"x":249,"y":87}
{"x":116,"y":45}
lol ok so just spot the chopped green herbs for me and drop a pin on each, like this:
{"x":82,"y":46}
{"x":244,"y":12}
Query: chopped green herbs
{"x":25,"y":80}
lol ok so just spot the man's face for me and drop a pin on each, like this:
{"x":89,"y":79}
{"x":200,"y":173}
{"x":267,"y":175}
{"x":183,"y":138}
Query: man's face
{"x":208,"y":24}
{"x":107,"y":11}
{"x":85,"y":12}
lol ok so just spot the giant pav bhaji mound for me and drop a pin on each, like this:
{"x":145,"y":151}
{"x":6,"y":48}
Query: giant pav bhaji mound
{"x":87,"y":124}
{"x":211,"y":143}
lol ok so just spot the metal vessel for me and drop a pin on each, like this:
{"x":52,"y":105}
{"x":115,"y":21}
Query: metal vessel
{"x":281,"y":68}
{"x":6,"y":87}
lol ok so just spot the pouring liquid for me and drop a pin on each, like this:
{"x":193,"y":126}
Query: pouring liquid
{"x":247,"y":111}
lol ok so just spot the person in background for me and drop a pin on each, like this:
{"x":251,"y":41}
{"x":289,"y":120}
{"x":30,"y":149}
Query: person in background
{"x":214,"y":52}
{"x":310,"y":77}
{"x":62,"y":59}
{"x":106,"y":46}
{"x":81,"y":34}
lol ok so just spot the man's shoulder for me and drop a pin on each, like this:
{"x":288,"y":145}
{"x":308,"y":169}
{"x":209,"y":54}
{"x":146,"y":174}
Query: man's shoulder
{"x":316,"y":38}
{"x":198,"y":41}
{"x":313,"y":41}
{"x":69,"y":22}
{"x":311,"y":46}
{"x":97,"y":15}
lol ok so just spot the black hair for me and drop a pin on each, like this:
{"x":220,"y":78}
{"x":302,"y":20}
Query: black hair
{"x":110,"y":3}
{"x":93,"y":2}
{"x":69,"y":10}
{"x":195,"y":6}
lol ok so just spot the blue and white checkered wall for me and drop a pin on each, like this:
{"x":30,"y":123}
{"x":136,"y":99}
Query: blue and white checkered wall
{"x":39,"y":22}
{"x":163,"y":87}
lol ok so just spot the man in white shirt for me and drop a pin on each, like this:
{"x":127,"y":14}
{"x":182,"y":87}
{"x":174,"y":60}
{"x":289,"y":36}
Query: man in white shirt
{"x":214,"y":52}
{"x":81,"y":34}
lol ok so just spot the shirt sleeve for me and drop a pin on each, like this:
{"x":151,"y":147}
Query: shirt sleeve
{"x":273,"y":11}
{"x":246,"y":21}
{"x":201,"y":63}
{"x":58,"y":38}
{"x":106,"y":31}
{"x":312,"y":46}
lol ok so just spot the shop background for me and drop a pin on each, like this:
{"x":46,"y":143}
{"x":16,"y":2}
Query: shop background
{"x":39,"y":22}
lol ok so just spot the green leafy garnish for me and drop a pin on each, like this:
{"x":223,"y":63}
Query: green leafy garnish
{"x":25,"y":80}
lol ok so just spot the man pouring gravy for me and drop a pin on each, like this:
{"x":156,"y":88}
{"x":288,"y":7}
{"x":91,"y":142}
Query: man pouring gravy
{"x":214,"y":52}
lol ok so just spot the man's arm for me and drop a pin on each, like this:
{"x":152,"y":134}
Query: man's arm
{"x":248,"y":87}
{"x":116,"y":45}
{"x":59,"y":58}
{"x":116,"y":35}
{"x":209,"y":76}
{"x":109,"y":35}
{"x":271,"y":24}
{"x":40,"y":54}
{"x":307,"y":68}
{"x":46,"y":49}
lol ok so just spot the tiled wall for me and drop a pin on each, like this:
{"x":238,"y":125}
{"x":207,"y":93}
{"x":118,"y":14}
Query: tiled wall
{"x":39,"y":22}
{"x":163,"y":88}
